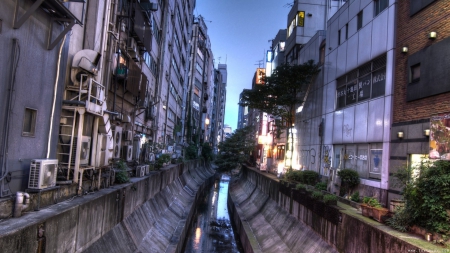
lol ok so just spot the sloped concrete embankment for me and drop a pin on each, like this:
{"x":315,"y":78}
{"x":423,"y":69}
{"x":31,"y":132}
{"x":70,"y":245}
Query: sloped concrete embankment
{"x":272,"y":217}
{"x":147,"y":215}
{"x":264,"y":226}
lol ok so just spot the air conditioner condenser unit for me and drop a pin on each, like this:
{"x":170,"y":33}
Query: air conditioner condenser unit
{"x":42,"y":173}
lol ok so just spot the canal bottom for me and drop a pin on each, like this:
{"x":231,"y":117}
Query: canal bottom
{"x":212,"y":229}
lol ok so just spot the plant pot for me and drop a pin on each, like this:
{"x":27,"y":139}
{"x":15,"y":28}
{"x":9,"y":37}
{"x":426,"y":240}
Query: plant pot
{"x":395,"y":204}
{"x":378,"y":212}
{"x":366,"y":210}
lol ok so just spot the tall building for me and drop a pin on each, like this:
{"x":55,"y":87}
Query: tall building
{"x":110,"y":82}
{"x":35,"y":45}
{"x":421,"y":112}
{"x":242,"y":114}
{"x":201,"y":81}
{"x":345,"y":121}
{"x":218,"y":106}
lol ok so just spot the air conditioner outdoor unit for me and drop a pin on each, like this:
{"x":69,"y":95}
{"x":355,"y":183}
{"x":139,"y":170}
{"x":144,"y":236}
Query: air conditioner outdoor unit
{"x":42,"y":173}
{"x":147,"y":169}
{"x":128,"y":153}
{"x":140,"y":170}
{"x":117,"y":134}
{"x":84,"y":150}
{"x":128,"y":135}
{"x":170,"y":149}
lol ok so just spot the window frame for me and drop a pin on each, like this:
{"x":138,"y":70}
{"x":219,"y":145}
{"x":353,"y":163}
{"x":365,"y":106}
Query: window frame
{"x":379,"y":6}
{"x":412,"y":72}
{"x":32,"y":126}
{"x":359,"y":20}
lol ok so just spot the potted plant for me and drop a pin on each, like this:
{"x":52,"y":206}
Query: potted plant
{"x":330,"y":199}
{"x":301,"y":188}
{"x":317,"y":195}
{"x":366,"y":208}
{"x":377,"y":209}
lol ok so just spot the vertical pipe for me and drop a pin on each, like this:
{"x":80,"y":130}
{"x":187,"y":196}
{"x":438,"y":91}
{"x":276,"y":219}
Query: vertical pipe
{"x":55,"y":91}
{"x":4,"y":155}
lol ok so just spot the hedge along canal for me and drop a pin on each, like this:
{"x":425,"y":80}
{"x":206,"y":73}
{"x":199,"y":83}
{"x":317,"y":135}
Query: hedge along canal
{"x":212,"y":230}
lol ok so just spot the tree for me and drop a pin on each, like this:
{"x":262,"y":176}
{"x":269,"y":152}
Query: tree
{"x":235,"y":149}
{"x":282,"y":92}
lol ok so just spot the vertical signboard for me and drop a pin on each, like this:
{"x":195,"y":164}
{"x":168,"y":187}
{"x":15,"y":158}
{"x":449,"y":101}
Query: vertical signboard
{"x":440,"y":137}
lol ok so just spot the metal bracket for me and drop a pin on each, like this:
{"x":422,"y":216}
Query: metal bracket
{"x":17,"y":23}
{"x":51,"y":44}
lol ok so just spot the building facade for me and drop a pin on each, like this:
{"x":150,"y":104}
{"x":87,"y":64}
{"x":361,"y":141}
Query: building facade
{"x":420,"y":108}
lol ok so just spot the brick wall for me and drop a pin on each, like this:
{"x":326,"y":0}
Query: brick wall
{"x":412,"y":31}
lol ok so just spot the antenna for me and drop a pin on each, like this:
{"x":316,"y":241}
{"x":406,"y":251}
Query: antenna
{"x":219,"y":59}
{"x":259,"y":63}
{"x":289,"y":4}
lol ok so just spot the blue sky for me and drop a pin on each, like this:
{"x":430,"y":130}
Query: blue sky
{"x":240,"y":31}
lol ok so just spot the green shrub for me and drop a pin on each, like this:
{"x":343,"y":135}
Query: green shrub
{"x":300,"y":186}
{"x":401,"y":220}
{"x":191,"y":152}
{"x":164,"y":158}
{"x":207,"y":152}
{"x":303,"y":176}
{"x":321,"y":186}
{"x":355,"y":196}
{"x":427,"y":196}
{"x":349,"y":180}
{"x":121,"y":176}
{"x":317,"y":195}
{"x":327,"y":198}
{"x":373,"y":202}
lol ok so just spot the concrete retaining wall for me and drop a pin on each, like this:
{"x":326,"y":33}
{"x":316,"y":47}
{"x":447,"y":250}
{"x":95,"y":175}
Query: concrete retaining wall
{"x":272,"y":217}
{"x":147,"y":215}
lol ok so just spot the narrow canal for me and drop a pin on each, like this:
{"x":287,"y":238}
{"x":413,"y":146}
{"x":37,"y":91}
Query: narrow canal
{"x":212,"y":231}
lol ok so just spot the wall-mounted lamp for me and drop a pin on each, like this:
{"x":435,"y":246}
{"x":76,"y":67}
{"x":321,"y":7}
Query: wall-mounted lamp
{"x":309,"y":14}
{"x":432,"y":35}
{"x":404,"y":49}
{"x":426,"y":132}
{"x":400,"y":135}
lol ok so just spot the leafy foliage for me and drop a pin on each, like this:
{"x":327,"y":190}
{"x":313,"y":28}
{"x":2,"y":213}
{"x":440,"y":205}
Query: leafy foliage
{"x":121,"y":175}
{"x":328,"y":198}
{"x":207,"y":152}
{"x":355,"y":197}
{"x":300,"y":186}
{"x":317,"y":195}
{"x":373,"y":202}
{"x":349,"y":180}
{"x":303,"y":176}
{"x":191,"y":152}
{"x":282,"y":92}
{"x":428,"y":196}
{"x":321,"y":186}
{"x":164,"y":158}
{"x":235,"y":149}
{"x":401,"y":220}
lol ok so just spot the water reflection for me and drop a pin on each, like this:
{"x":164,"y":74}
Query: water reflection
{"x":212,"y":231}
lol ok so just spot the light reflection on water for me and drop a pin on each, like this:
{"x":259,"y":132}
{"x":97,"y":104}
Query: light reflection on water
{"x":213,"y":231}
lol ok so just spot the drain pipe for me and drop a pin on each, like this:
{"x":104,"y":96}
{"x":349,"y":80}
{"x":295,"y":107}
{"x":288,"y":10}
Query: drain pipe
{"x":55,"y":91}
{"x":19,"y":205}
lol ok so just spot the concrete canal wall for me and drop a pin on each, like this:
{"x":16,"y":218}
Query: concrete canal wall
{"x":271,"y":217}
{"x":147,"y":215}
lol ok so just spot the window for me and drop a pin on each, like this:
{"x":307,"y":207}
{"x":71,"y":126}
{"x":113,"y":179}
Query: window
{"x":368,"y":81}
{"x":339,"y":37}
{"x":298,"y":20}
{"x":380,"y":5}
{"x":359,"y":20}
{"x":29,"y":122}
{"x":346,"y":31}
{"x":415,"y":73}
{"x":366,"y":159}
{"x":322,"y":54}
{"x":280,"y":152}
{"x":170,"y":115}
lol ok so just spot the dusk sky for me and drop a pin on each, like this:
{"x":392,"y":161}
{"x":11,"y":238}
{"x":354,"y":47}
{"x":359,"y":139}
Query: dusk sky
{"x":240,"y":32}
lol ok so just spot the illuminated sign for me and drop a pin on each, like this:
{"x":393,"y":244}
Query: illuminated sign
{"x":269,"y":56}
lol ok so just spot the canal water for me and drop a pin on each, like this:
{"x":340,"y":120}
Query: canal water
{"x":212,"y":232}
